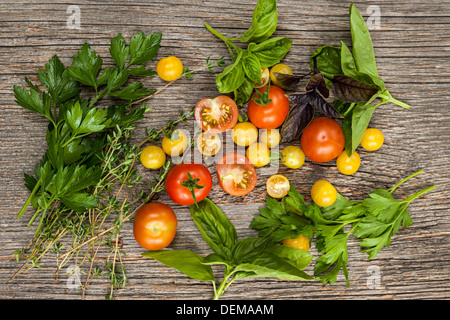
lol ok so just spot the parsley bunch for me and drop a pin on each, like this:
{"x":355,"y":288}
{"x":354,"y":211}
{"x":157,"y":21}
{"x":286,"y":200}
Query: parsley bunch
{"x":79,"y":185}
{"x":69,"y":166}
{"x":373,"y":221}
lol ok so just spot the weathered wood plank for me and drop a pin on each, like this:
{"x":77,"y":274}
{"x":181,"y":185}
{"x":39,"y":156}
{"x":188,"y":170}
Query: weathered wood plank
{"x":413,"y":55}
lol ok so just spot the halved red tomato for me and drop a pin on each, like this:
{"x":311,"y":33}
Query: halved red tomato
{"x":216,"y":115}
{"x":236,"y":174}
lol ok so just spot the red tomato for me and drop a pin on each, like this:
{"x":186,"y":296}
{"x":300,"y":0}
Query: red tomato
{"x":273,"y":114}
{"x":179,"y":174}
{"x":216,"y":115}
{"x":155,"y":225}
{"x":236,"y":174}
{"x":322,"y":140}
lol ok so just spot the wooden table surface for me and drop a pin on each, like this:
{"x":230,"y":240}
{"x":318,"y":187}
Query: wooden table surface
{"x":412,"y":47}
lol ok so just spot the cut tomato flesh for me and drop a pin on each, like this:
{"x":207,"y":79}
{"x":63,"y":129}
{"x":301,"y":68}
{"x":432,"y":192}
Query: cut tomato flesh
{"x":216,"y":115}
{"x":236,"y":175}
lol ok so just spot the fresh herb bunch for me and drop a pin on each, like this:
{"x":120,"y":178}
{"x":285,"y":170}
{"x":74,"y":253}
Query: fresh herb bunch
{"x":353,"y":78}
{"x":245,"y":70}
{"x":86,"y":178}
{"x":373,"y":221}
{"x":245,"y":258}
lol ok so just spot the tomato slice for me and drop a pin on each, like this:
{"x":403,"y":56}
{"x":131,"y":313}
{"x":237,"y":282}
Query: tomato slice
{"x":236,"y":174}
{"x":216,"y":115}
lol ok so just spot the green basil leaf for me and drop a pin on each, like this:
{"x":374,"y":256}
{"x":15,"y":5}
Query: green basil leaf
{"x":268,"y":264}
{"x":252,"y":68}
{"x":298,"y":258}
{"x":232,"y":76}
{"x":362,"y":43}
{"x":217,"y":231}
{"x":272,"y":51}
{"x":348,"y":66}
{"x":248,"y":248}
{"x":264,"y":22}
{"x":327,"y":60}
{"x":355,"y":124}
{"x":244,"y":92}
{"x":185,"y":261}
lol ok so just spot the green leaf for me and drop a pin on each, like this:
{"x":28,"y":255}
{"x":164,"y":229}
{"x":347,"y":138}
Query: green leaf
{"x":116,"y":79}
{"x":246,"y":249}
{"x":271,"y":51}
{"x":334,"y":249}
{"x":252,"y":68}
{"x":29,"y":100}
{"x":355,"y":124}
{"x":79,"y":202}
{"x":185,"y":261}
{"x":143,"y":48}
{"x":85,"y":66}
{"x":217,"y":231}
{"x":348,"y":66}
{"x":269,"y":264}
{"x":264,"y":22}
{"x":94,"y":121}
{"x":119,"y":51}
{"x":232,"y":77}
{"x":362,"y":43}
{"x":327,"y":60}
{"x":56,"y":80}
{"x":244,"y":92}
{"x":298,"y":258}
{"x":132,"y":92}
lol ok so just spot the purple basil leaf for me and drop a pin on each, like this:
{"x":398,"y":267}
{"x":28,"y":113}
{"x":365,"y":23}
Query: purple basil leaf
{"x":317,"y":81}
{"x":348,"y":89}
{"x":298,"y":118}
{"x":289,"y":81}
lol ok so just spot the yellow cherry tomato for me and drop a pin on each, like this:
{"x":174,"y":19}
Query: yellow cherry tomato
{"x":176,"y":144}
{"x":265,"y":75}
{"x":244,"y":134}
{"x":169,"y":68}
{"x":292,"y":157}
{"x":372,"y":140}
{"x":258,"y":154}
{"x":208,"y":143}
{"x":323,"y":193}
{"x":277,"y":186}
{"x":348,"y":165}
{"x":279,"y":68}
{"x":301,"y":242}
{"x":270,"y":137}
{"x":153,"y":157}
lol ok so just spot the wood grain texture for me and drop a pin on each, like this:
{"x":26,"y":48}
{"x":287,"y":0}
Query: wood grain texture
{"x":413,"y":56}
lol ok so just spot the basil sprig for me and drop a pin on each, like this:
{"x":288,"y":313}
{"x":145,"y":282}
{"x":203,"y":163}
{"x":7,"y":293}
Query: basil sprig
{"x":245,"y":258}
{"x":262,"y":51}
{"x":354,"y":79}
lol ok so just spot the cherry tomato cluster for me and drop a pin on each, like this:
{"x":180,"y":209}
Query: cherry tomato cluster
{"x":188,"y":183}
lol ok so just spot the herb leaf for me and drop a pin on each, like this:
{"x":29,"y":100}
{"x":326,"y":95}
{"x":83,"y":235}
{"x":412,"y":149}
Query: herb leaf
{"x":264,"y":22}
{"x":85,"y":66}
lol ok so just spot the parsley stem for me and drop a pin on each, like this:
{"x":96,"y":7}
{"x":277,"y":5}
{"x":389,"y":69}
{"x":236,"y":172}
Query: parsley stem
{"x":391,"y":190}
{"x":418,"y":194}
{"x":30,"y":197}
